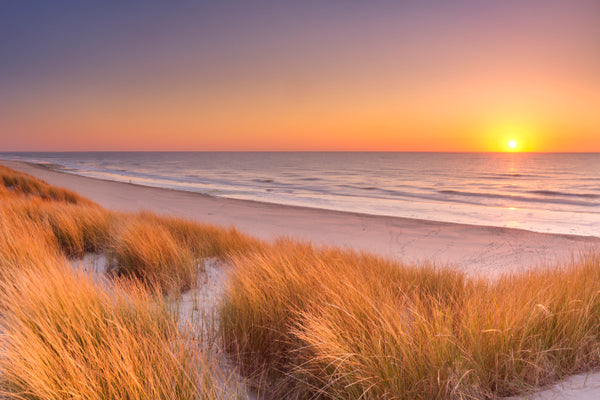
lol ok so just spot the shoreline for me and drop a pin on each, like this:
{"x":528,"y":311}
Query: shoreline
{"x":475,"y":249}
{"x":292,"y":206}
{"x":504,"y":196}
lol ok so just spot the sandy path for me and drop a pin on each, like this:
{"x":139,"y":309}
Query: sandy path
{"x":576,"y":387}
{"x":476,"y":249}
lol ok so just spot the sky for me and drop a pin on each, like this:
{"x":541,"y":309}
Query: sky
{"x":304,"y":75}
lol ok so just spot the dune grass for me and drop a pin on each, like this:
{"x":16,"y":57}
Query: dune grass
{"x":78,"y":224}
{"x":204,"y":240}
{"x":24,"y":184}
{"x":167,"y":252}
{"x":325,"y":323}
{"x":24,"y":244}
{"x":299,"y":321}
{"x":148,"y":252}
{"x":65,"y":336}
{"x":78,"y":229}
{"x":163,"y":252}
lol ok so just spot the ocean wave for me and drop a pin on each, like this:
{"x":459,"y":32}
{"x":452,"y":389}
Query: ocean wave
{"x":54,"y":166}
{"x":508,"y":175}
{"x":516,"y":197}
{"x":309,"y":179}
{"x":565,"y":194}
{"x":263,"y":180}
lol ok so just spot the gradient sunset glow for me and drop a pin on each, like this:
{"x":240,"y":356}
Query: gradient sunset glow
{"x":315,"y":75}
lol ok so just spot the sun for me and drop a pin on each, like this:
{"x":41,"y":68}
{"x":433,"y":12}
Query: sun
{"x":511,"y":138}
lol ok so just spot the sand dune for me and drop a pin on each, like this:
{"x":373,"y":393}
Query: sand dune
{"x":478,"y":250}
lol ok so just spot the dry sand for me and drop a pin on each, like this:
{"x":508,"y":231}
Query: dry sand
{"x":478,"y":250}
{"x":576,"y":387}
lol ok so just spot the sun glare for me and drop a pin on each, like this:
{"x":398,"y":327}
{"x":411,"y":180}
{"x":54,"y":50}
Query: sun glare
{"x":512,"y":144}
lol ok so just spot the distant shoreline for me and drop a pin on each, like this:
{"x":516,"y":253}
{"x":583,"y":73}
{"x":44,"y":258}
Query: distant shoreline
{"x":507,"y":190}
{"x":517,"y":190}
{"x":475,"y":249}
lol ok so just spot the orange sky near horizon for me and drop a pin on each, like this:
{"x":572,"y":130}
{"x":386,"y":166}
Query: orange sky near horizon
{"x":452,"y":80}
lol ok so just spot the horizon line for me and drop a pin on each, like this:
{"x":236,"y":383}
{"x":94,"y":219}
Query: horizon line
{"x":296,"y":151}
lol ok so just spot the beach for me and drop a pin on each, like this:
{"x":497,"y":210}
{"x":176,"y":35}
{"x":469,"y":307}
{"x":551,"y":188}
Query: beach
{"x":478,"y":250}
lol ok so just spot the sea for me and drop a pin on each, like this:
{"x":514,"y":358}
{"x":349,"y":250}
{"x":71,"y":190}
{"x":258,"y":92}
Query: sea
{"x":543,"y":192}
